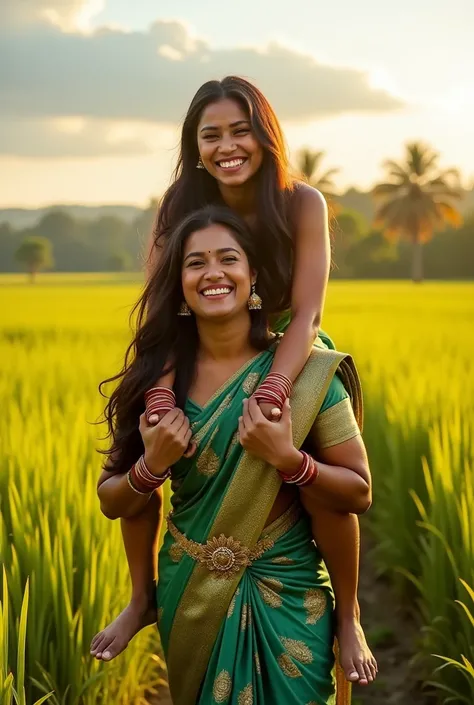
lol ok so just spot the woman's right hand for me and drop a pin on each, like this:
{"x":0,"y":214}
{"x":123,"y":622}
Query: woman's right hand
{"x":166,"y":442}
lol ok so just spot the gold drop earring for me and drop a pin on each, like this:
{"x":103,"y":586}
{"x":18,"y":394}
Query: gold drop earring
{"x":254,"y":302}
{"x":184,"y":309}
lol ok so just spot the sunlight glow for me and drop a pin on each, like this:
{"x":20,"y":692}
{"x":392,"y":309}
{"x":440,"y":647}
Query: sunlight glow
{"x":380,"y":78}
{"x":90,"y":9}
{"x":459,"y":100}
{"x":69,"y":125}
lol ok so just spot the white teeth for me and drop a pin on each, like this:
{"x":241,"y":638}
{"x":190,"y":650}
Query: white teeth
{"x":231,"y":164}
{"x":216,"y":292}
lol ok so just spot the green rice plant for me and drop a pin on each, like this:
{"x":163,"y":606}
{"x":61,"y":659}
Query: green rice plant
{"x":418,"y":384}
{"x":447,"y":555}
{"x":51,"y":528}
{"x":9,"y":690}
{"x":464,"y":667}
{"x":413,"y":347}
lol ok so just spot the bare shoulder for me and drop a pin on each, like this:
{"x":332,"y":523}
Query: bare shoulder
{"x":310,"y":214}
{"x":310,"y":203}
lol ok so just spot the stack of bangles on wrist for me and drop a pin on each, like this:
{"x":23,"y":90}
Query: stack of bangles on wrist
{"x":306,"y":475}
{"x":142,"y":481}
{"x":275,"y":389}
{"x":159,"y":400}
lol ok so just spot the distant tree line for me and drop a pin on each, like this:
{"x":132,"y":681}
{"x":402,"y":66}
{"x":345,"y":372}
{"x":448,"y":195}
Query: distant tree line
{"x":107,"y":243}
{"x":410,"y":225}
{"x":359,"y":250}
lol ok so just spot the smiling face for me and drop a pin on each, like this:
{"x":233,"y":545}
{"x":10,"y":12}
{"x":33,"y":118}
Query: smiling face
{"x":216,"y":276}
{"x":228,"y":147}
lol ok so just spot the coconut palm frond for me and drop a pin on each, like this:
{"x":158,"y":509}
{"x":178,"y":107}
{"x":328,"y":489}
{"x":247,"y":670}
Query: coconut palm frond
{"x":453,"y":175}
{"x":392,"y":214}
{"x":309,"y":161}
{"x":396,"y":171}
{"x":421,"y":158}
{"x":385,"y":190}
{"x":417,"y":198}
{"x":439,"y":186}
{"x":447,"y":213}
{"x":309,"y":164}
{"x":325,"y":182}
{"x":330,"y":174}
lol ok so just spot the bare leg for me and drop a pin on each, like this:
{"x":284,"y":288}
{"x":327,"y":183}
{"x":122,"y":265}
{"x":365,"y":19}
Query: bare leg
{"x":337,"y":537}
{"x":140,"y":538}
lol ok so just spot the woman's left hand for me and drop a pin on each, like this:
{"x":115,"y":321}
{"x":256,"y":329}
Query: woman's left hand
{"x":273,"y":442}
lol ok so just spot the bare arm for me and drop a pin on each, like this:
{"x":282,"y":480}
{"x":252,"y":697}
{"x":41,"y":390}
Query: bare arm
{"x":164,"y":445}
{"x":117,"y":499}
{"x":310,"y":277}
{"x":343,"y":484}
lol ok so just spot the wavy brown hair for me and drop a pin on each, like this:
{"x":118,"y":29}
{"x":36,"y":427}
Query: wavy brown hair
{"x":193,"y":188}
{"x":161,"y":335}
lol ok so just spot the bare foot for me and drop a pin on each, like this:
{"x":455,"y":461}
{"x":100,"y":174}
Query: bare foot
{"x":355,"y":656}
{"x":112,"y":640}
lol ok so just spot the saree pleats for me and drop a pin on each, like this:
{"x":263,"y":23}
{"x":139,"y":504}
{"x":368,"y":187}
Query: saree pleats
{"x":275,"y":644}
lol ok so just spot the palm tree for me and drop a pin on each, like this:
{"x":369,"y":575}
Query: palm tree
{"x":416,"y":200}
{"x":309,"y":165}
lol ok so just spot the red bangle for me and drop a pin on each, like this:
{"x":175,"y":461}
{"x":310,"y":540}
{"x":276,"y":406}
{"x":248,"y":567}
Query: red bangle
{"x":275,"y":389}
{"x":142,"y":480}
{"x":159,"y":400}
{"x":306,"y":475}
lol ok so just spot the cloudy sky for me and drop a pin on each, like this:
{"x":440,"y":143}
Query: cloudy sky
{"x":93,"y":90}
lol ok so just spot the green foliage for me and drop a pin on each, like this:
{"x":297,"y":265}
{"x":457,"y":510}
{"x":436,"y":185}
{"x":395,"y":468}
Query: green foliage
{"x":35,"y":253}
{"x":418,"y":383}
{"x":348,"y":229}
{"x":417,"y":199}
{"x":119,"y":262}
{"x":91,"y":245}
{"x":11,"y":690}
{"x":51,"y":529}
{"x":83,"y":245}
{"x":463,"y":667}
{"x":57,"y":342}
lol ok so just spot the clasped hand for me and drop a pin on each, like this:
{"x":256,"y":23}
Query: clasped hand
{"x":272,"y":441}
{"x":166,"y":442}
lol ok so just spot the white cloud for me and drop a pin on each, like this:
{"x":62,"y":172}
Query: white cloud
{"x":64,"y":13}
{"x":113,"y":75}
{"x":64,"y":138}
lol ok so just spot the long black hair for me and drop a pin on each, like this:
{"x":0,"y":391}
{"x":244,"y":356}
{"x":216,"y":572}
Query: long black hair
{"x":193,"y":188}
{"x":162,"y":337}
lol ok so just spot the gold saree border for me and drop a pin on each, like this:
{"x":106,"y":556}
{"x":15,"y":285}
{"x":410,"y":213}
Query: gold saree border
{"x":343,"y":687}
{"x":242,"y":515}
{"x":336,"y":425}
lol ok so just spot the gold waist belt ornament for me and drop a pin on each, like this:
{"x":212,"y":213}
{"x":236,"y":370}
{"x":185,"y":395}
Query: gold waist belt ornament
{"x":223,"y":555}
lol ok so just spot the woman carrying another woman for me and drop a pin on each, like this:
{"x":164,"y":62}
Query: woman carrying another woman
{"x":233,"y":154}
{"x":244,"y":603}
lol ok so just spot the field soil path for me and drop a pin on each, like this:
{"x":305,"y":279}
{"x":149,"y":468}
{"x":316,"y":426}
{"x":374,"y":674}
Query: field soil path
{"x":392,"y":637}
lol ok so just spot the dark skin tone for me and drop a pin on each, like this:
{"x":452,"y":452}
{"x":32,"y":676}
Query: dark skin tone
{"x":224,"y":133}
{"x":329,"y":529}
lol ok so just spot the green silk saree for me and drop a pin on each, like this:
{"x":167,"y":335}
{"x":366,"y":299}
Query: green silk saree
{"x":245,"y":612}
